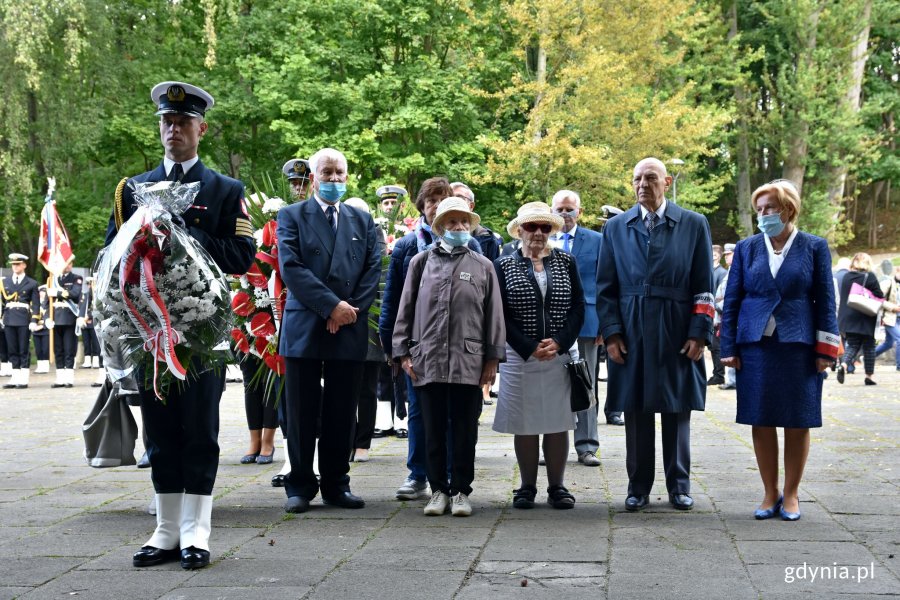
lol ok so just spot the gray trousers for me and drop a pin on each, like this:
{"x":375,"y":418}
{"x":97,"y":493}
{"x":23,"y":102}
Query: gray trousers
{"x":640,"y":451}
{"x":586,"y":437}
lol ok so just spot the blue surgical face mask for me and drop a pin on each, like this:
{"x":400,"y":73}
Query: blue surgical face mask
{"x":570,"y":214}
{"x":330,"y":191}
{"x":457,"y":238}
{"x":771,"y":225}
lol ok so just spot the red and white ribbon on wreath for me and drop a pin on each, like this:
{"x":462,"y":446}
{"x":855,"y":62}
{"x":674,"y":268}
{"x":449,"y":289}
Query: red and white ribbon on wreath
{"x":159,"y":342}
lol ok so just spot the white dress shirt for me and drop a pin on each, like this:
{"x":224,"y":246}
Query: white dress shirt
{"x":168,"y":163}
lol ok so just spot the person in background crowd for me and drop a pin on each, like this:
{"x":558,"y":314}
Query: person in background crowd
{"x":891,"y":289}
{"x":260,"y":400}
{"x":20,"y":308}
{"x":41,"y":334}
{"x":718,"y":374}
{"x":779,"y":331}
{"x":584,"y":245}
{"x":730,"y":380}
{"x":298,"y":175}
{"x":449,"y":335}
{"x":543,"y":307}
{"x":490,"y":243}
{"x":65,"y":293}
{"x":182,"y":434}
{"x":331,"y":264}
{"x":420,"y":239}
{"x":858,"y":328}
{"x":367,"y":404}
{"x":85,"y":322}
{"x":613,"y":417}
{"x":655,"y":304}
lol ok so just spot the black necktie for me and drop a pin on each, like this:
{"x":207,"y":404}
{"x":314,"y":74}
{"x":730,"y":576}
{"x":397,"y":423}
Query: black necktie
{"x":177,"y":173}
{"x":329,"y":214}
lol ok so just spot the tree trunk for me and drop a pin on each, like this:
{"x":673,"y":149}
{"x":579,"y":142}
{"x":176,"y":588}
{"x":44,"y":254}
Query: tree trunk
{"x":745,"y":222}
{"x":798,"y":124}
{"x":836,"y":174}
{"x":33,"y":143}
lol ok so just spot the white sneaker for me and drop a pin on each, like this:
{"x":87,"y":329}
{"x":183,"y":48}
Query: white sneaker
{"x":438,"y":504}
{"x":411,"y":489}
{"x":461,"y":506}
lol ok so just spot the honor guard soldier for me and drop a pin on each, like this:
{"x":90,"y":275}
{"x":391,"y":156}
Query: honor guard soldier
{"x":20,"y":306}
{"x":297,"y":172}
{"x":65,"y":294}
{"x":41,"y":335}
{"x":85,"y":323}
{"x":390,"y":200}
{"x":182,"y":434}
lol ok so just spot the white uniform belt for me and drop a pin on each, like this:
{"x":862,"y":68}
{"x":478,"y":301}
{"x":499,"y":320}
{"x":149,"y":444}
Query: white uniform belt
{"x":17,"y":305}
{"x":60,"y":304}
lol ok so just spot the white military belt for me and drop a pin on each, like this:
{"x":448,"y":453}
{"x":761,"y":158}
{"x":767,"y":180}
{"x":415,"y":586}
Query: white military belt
{"x":60,"y":304}
{"x":17,"y":305}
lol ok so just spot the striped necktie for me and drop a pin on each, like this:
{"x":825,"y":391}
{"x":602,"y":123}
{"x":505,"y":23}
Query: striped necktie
{"x":650,"y":221}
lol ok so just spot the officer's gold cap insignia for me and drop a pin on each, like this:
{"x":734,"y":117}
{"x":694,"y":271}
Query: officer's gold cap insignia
{"x":175,"y":93}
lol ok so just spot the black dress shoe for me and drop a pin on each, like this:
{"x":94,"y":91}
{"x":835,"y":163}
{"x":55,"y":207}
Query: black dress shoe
{"x":615,"y":419}
{"x":344,"y":500}
{"x":715,"y":381}
{"x":278,"y":480}
{"x":633,"y":503}
{"x":144,"y":463}
{"x":380,"y":433}
{"x":727,"y":386}
{"x":402,"y":434}
{"x":681,"y":501}
{"x":9,"y":386}
{"x":296,"y":505}
{"x":194,"y":558}
{"x":148,"y":556}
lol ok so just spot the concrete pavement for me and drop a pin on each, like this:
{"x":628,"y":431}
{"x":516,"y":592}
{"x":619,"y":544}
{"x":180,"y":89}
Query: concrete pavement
{"x":67,"y":530}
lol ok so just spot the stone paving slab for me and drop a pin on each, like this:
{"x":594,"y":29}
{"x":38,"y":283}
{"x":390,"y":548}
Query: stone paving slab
{"x":67,"y":530}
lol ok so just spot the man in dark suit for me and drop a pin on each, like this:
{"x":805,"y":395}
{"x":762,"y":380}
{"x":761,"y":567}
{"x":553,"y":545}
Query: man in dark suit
{"x":65,"y":293}
{"x":331,"y":264}
{"x":584,"y":245}
{"x":20,"y":306}
{"x":182,"y":434}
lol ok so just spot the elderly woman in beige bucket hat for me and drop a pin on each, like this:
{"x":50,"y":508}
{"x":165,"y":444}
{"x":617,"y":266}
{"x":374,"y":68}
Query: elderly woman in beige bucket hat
{"x":450,"y":336}
{"x":543,"y":306}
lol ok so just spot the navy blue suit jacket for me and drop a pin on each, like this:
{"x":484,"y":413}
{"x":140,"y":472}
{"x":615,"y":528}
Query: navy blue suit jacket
{"x":586,"y":250}
{"x":320,"y":268}
{"x":216,"y":219}
{"x":801,"y":296}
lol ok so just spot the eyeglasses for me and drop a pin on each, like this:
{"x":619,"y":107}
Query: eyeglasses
{"x":532,"y":227}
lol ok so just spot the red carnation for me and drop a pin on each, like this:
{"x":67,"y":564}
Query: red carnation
{"x":240,"y":340}
{"x":242,"y":304}
{"x":261,"y":325}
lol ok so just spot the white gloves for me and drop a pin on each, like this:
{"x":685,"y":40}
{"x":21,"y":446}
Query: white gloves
{"x":79,"y":323}
{"x":32,"y":327}
{"x":49,"y":324}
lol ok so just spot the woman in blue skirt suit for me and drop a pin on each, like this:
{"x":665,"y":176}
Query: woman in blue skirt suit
{"x":779,"y":330}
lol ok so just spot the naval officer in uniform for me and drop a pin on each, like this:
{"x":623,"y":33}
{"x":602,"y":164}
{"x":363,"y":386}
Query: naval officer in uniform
{"x":20,"y":307}
{"x":65,"y":293}
{"x":297,"y":172}
{"x":182,"y":434}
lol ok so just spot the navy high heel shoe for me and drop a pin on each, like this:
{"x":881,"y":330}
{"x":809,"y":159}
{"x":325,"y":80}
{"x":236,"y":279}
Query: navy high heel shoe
{"x":789,"y":516}
{"x":768,"y":513}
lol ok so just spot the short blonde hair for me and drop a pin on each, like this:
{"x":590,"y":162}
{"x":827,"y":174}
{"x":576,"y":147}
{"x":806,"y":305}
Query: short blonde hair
{"x":861,"y":262}
{"x":785,"y":194}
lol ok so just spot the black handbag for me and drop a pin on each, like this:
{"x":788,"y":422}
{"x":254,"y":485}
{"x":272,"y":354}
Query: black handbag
{"x":582,"y":391}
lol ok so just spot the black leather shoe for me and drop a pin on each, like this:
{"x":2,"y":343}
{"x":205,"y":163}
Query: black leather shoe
{"x":380,"y":433}
{"x":296,"y":505}
{"x":344,"y":500}
{"x":402,"y":434}
{"x":278,"y":480}
{"x":727,"y":386}
{"x":681,"y":501}
{"x":9,"y":386}
{"x":144,"y":463}
{"x":148,"y":556}
{"x":633,"y":503}
{"x":194,"y":558}
{"x":615,"y":419}
{"x":715,"y":381}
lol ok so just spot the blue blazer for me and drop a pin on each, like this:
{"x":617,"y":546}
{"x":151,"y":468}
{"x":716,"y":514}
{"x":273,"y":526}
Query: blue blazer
{"x":801,"y":296}
{"x":586,"y":250}
{"x":320,"y":268}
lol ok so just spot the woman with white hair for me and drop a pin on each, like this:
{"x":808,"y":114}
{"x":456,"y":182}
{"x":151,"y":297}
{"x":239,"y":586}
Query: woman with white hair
{"x":543,"y":306}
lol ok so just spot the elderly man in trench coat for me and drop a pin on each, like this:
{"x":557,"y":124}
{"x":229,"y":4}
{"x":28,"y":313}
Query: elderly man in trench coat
{"x":655,"y":305}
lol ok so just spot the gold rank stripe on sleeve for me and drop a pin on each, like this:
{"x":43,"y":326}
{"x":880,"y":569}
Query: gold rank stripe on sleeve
{"x":119,"y":209}
{"x":242,"y":227}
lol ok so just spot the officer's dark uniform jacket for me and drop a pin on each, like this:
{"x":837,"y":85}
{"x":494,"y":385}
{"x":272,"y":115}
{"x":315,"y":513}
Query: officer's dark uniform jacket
{"x":21,"y":302}
{"x":68,"y":286}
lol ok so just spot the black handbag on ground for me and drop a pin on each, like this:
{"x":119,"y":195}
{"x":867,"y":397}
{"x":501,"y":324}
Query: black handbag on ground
{"x":582,"y":391}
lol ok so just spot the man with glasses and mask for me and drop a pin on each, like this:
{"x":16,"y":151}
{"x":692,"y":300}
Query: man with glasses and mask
{"x":584,"y":245}
{"x":655,"y":305}
{"x":182,"y":434}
